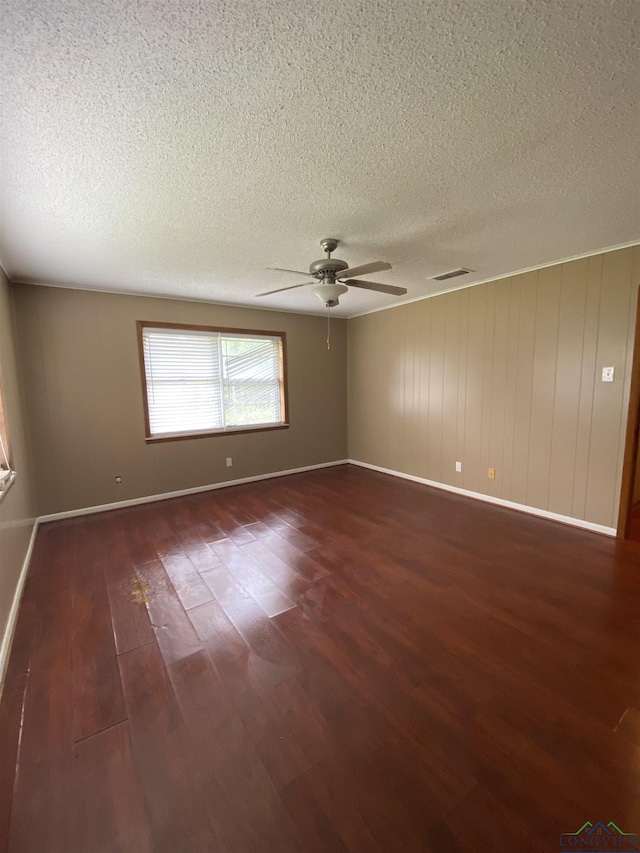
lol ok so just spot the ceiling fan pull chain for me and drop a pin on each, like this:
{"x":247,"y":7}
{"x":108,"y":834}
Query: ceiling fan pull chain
{"x":328,"y":328}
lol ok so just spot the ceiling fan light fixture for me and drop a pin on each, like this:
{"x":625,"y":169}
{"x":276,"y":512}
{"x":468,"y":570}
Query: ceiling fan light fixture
{"x":329,"y":293}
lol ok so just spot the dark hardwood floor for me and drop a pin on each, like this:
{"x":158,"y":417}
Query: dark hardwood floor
{"x":333,"y":661}
{"x":634,"y":524}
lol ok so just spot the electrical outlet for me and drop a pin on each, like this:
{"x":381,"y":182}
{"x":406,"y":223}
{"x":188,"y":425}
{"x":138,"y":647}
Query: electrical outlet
{"x":229,"y":461}
{"x":118,"y":480}
{"x":492,"y":473}
{"x":459,"y":467}
{"x":608,"y":374}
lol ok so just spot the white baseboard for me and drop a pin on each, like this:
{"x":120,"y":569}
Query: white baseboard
{"x":530,"y":510}
{"x":89,"y":510}
{"x":7,"y":639}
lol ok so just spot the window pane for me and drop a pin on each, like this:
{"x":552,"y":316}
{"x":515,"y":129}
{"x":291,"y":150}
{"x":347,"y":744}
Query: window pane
{"x":251,"y":371}
{"x":183,"y":381}
{"x":5,"y":459}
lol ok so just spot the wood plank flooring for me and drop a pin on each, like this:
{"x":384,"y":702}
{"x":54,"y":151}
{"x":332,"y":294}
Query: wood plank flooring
{"x":332,"y":661}
{"x":634,"y":524}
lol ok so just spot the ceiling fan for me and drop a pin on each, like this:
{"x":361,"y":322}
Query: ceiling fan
{"x":335,"y":277}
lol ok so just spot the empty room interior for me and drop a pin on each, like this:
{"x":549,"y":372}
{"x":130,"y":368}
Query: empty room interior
{"x":319,"y":426}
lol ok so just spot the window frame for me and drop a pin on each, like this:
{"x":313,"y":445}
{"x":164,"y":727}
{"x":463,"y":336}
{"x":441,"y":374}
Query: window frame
{"x":284,"y":388}
{"x":9,"y":474}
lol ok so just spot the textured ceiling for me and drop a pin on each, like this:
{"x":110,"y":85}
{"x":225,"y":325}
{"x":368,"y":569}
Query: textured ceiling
{"x":180,"y":148}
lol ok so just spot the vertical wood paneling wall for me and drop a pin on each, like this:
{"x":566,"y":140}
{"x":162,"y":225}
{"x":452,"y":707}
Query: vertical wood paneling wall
{"x":504,"y":375}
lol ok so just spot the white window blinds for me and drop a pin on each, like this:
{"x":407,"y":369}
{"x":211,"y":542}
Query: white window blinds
{"x":201,"y":381}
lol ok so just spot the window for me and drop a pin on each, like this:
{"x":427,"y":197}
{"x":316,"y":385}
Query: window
{"x":199,"y":381}
{"x":6,"y":472}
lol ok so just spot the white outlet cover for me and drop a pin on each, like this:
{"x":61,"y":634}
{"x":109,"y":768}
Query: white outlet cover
{"x":608,"y":374}
{"x":229,"y":461}
{"x":459,"y":467}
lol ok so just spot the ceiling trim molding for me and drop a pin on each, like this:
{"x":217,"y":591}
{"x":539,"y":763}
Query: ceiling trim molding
{"x":499,"y":277}
{"x":139,"y":295}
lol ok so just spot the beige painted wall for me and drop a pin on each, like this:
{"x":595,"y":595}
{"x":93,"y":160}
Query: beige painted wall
{"x":17,"y":509}
{"x":80,"y":358}
{"x":504,"y":375}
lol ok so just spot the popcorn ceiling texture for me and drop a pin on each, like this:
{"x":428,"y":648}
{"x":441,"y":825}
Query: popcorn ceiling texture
{"x":179,"y":148}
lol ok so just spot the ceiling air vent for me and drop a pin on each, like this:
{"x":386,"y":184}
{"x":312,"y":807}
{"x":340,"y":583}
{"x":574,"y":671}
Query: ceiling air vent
{"x":445,"y":275}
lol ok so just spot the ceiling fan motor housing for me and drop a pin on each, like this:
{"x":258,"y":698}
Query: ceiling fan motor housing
{"x":327,"y":268}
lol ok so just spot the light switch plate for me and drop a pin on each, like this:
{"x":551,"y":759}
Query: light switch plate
{"x":608,"y":373}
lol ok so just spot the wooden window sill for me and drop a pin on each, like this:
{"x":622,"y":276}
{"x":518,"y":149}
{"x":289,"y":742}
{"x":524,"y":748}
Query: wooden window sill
{"x":152,"y":439}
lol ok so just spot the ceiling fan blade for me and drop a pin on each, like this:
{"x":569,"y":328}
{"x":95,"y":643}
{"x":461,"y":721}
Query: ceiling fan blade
{"x":374,"y":285}
{"x":365,"y":269}
{"x":295,"y":272}
{"x":280,"y":289}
